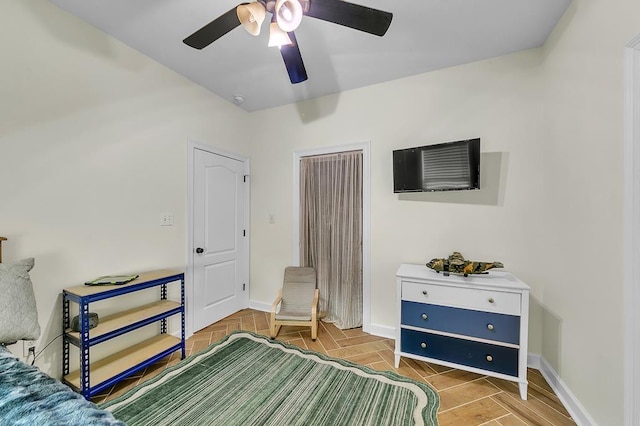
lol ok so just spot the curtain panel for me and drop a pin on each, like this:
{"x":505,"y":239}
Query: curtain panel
{"x":331,"y":232}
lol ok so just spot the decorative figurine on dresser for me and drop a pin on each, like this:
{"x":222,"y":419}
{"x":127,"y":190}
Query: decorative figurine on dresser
{"x":477,"y":323}
{"x":457,"y":264}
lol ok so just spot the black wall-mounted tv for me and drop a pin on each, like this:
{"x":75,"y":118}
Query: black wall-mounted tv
{"x":440,"y":167}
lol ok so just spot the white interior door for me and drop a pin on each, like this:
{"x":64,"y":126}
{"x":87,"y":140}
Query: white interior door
{"x":218,"y":225}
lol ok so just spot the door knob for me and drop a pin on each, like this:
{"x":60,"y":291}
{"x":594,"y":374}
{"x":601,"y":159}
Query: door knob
{"x":199,"y":250}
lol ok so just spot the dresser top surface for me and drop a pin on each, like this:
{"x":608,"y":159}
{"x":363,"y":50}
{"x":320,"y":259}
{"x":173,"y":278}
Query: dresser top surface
{"x":493,"y":278}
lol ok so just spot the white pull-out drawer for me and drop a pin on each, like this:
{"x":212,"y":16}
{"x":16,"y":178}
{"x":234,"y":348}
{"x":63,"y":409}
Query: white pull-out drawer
{"x":487,"y":300}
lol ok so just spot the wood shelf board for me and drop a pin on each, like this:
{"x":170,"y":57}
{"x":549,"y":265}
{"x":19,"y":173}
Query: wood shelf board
{"x":106,"y":368}
{"x":87,"y":290}
{"x":126,"y":318}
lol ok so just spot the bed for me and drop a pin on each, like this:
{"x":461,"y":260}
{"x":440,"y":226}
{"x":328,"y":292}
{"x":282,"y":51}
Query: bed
{"x":30,"y":397}
{"x":27,"y":395}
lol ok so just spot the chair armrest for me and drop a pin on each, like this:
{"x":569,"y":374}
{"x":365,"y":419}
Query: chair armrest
{"x":275,"y":304}
{"x":273,"y":327}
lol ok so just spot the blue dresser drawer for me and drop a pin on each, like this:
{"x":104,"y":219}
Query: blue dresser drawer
{"x":488,"y":357}
{"x":484,"y":325}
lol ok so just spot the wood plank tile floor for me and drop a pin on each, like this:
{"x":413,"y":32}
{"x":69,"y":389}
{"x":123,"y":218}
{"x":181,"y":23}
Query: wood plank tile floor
{"x":466,"y":399}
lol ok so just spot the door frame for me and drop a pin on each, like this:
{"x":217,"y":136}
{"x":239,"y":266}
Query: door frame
{"x":632,"y":232}
{"x":192,"y":146}
{"x":365,"y":147}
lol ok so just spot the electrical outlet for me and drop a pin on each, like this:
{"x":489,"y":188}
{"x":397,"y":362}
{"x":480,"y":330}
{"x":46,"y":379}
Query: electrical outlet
{"x":28,"y":346}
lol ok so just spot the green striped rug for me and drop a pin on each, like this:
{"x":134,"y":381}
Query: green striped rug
{"x":248,"y":379}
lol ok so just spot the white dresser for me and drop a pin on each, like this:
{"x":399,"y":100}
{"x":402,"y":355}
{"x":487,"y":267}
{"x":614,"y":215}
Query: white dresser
{"x":477,"y":323}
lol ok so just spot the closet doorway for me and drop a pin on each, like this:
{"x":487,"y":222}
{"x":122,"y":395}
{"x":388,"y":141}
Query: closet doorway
{"x":311,"y":167}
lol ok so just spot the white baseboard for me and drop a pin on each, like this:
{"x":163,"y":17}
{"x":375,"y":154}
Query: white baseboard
{"x":260,"y":306}
{"x":533,"y":361}
{"x":381,"y":331}
{"x":568,"y":399}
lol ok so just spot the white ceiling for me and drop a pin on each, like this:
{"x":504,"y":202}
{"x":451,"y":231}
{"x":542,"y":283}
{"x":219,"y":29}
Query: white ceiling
{"x":425,"y":35}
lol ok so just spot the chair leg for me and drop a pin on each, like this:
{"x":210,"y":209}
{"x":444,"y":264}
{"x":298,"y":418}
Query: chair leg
{"x":314,"y":331}
{"x":272,"y":326}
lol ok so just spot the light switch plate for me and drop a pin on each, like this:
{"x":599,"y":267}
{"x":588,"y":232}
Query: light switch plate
{"x":166,"y":219}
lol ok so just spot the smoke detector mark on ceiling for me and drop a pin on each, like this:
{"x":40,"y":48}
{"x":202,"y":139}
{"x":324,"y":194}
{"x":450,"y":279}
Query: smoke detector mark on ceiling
{"x":238,"y":99}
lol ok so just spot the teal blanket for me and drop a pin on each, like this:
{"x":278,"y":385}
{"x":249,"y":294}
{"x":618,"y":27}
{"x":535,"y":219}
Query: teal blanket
{"x":30,"y":397}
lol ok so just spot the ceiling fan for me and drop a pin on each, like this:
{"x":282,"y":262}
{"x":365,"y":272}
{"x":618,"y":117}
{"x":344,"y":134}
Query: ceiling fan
{"x":286,"y":17}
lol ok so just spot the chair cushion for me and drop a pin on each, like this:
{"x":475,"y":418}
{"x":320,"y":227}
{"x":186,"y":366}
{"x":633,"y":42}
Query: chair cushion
{"x":297,"y":299}
{"x":284,"y":316}
{"x":18,"y":313}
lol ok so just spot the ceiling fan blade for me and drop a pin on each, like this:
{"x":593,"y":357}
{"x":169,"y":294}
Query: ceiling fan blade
{"x":213,"y":30}
{"x":372,"y":21}
{"x":293,"y":60}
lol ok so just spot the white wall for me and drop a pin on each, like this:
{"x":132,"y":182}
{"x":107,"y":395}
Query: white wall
{"x":550,"y":120}
{"x":582,"y":295}
{"x":93,"y":140}
{"x":497,"y":100}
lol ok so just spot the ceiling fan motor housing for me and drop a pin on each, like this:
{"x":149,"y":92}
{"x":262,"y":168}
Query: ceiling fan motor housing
{"x":270,"y":5}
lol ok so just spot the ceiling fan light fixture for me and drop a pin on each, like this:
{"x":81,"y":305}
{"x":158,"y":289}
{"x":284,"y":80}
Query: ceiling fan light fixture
{"x":277,"y":37}
{"x":288,"y":14}
{"x":251,"y":16}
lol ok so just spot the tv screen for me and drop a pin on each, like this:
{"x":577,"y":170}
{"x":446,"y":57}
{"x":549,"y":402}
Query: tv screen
{"x":441,"y":167}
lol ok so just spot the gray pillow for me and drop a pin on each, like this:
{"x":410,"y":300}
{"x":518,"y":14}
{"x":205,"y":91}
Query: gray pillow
{"x":18,"y":313}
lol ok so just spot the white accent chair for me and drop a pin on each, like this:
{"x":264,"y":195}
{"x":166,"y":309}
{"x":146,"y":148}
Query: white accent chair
{"x":297,"y":302}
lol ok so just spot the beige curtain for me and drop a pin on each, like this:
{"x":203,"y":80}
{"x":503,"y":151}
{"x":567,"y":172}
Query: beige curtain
{"x":331,"y":232}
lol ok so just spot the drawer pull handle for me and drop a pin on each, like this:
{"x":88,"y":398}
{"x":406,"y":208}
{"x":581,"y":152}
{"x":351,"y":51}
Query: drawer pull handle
{"x":491,"y":300}
{"x":489,"y":358}
{"x":424,"y":292}
{"x":490,"y":326}
{"x":424,"y":316}
{"x":423,"y":345}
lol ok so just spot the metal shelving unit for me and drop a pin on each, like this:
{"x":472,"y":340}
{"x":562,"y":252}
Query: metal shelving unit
{"x":93,"y":377}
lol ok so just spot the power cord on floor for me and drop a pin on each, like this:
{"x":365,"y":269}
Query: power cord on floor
{"x":32,"y":350}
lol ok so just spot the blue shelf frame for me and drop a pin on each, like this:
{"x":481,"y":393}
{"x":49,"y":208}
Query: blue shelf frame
{"x":85,"y":342}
